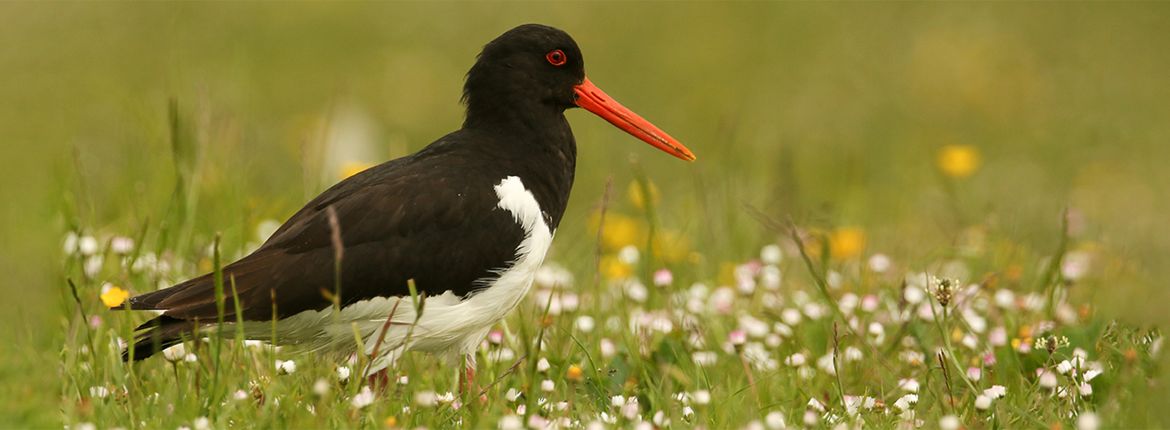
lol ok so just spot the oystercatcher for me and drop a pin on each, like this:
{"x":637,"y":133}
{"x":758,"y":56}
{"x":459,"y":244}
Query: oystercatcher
{"x":469,"y":219}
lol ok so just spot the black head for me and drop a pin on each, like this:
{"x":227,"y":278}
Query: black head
{"x":532,"y":73}
{"x":529,"y":67}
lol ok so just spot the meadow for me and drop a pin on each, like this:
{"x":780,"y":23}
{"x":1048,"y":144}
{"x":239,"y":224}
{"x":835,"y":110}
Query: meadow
{"x":903,"y":215}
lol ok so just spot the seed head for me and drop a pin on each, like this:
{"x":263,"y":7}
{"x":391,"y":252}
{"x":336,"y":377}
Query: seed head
{"x":944,"y":289}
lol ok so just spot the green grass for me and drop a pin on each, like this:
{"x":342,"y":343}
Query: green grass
{"x":818,"y":325}
{"x":175,"y":124}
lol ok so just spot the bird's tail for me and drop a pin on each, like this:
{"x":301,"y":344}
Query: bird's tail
{"x":156,"y":335}
{"x":165,"y":330}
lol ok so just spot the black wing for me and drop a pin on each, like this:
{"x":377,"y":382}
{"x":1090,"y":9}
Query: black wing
{"x":431,"y":217}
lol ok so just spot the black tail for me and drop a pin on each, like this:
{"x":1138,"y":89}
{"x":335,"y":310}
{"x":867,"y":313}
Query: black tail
{"x":156,"y":335}
{"x":191,"y":304}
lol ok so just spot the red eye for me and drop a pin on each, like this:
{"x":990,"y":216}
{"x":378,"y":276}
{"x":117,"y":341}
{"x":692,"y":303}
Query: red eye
{"x":556,"y":57}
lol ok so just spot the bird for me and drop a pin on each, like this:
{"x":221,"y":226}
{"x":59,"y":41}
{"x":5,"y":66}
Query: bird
{"x":466,"y":222}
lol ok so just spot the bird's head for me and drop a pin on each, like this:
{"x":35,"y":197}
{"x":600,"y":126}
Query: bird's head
{"x":536,"y":67}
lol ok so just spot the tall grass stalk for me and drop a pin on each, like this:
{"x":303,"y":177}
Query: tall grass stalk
{"x":217,"y":340}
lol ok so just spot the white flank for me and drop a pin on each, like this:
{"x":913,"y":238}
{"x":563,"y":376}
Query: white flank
{"x":449,"y":326}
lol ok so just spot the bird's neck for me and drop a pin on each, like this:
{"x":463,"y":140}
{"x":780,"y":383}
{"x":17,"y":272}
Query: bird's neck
{"x":528,"y":128}
{"x":527,"y":116}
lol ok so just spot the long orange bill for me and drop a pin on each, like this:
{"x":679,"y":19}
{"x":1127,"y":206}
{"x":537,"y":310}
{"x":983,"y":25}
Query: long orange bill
{"x":595,"y":100}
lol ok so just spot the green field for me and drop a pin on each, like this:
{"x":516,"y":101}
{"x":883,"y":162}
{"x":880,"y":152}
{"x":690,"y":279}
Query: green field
{"x":847,"y":153}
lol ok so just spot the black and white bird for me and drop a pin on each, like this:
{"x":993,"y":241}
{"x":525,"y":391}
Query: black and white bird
{"x":469,"y":218}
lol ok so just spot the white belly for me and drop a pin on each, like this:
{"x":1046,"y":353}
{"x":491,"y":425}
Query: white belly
{"x":449,"y":325}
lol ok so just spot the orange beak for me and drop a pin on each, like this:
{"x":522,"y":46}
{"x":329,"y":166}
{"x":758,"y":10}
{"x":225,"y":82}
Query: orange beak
{"x":595,"y":100}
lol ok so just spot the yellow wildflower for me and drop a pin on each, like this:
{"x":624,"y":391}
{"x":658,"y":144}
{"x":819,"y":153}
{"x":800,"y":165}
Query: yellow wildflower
{"x":1014,"y":272}
{"x":814,"y":242}
{"x":613,"y":268}
{"x":671,"y":246}
{"x":634,"y":192}
{"x":619,"y":230}
{"x":726,"y":273}
{"x":958,"y":161}
{"x":574,"y":373}
{"x":114,"y":296}
{"x":391,"y":421}
{"x":846,"y":242}
{"x":1025,"y":331}
{"x":351,"y":168}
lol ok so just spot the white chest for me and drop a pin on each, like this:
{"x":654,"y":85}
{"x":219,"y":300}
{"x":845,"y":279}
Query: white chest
{"x":514,"y":282}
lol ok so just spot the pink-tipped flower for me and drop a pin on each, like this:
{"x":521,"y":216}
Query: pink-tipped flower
{"x":607,"y":347}
{"x":997,"y":337}
{"x":811,"y":418}
{"x":722,"y":300}
{"x":1085,"y":389}
{"x":795,"y":360}
{"x":989,"y":359}
{"x":879,"y":263}
{"x":121,"y":245}
{"x":570,"y":302}
{"x":737,"y":337}
{"x":870,"y":303}
{"x":663,"y":277}
{"x":910,"y":385}
{"x":362,"y":399}
{"x":982,"y":402}
{"x":585,"y":323}
{"x":974,"y":373}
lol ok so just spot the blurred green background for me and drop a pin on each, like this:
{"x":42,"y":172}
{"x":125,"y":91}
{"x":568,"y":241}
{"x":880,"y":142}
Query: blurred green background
{"x":832,"y":114}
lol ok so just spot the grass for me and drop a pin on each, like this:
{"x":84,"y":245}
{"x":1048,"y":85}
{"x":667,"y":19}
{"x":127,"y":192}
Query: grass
{"x":788,"y":338}
{"x":184,"y":126}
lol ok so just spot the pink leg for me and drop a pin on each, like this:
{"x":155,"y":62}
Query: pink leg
{"x":467,"y":385}
{"x":379,"y":380}
{"x":467,"y":377}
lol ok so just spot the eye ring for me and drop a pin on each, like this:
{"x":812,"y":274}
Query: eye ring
{"x":556,"y":57}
